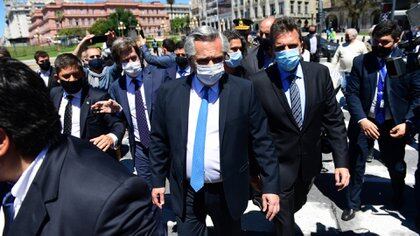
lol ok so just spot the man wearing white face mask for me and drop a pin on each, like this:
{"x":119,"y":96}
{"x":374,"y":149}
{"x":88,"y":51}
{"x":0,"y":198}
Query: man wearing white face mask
{"x":237,"y":51}
{"x":133,"y":97}
{"x":200,"y":132}
{"x":299,"y":99}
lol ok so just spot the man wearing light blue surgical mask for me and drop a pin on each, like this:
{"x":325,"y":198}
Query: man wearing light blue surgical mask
{"x":299,"y":99}
{"x":237,"y":51}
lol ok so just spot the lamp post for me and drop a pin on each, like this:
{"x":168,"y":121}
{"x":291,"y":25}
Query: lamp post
{"x":138,"y":28}
{"x":162,"y":26}
{"x":37,"y":35}
{"x":121,"y":28}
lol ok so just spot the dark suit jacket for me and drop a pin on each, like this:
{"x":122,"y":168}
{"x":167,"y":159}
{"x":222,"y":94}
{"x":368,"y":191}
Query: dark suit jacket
{"x":241,"y":117}
{"x":254,"y":61}
{"x":300,"y":150}
{"x":401,"y":94}
{"x":118,"y":91}
{"x":52,"y":82}
{"x":78,"y":191}
{"x":306,"y":39}
{"x":93,"y":124}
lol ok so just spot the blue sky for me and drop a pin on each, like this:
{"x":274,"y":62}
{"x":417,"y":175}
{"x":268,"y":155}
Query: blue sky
{"x":2,"y":11}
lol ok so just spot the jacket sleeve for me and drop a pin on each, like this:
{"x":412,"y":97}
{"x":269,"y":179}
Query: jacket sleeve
{"x":164,"y":61}
{"x":115,"y":123}
{"x":129,"y":211}
{"x":159,"y":146}
{"x":353,"y":91}
{"x":333,"y":122}
{"x":263,"y":147}
{"x":414,"y":87}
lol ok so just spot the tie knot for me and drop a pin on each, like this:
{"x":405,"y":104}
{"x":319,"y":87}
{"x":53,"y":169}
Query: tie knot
{"x":137,"y":83}
{"x":205,"y":93}
{"x":69,"y":97}
{"x":8,"y":199}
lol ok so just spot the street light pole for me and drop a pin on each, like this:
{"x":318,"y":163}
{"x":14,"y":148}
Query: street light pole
{"x":321,"y":16}
{"x":394,"y":2}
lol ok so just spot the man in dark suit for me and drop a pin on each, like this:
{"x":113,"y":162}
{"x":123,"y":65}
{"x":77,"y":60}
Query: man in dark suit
{"x":46,"y":71}
{"x":299,"y":100}
{"x":133,"y":97}
{"x":61,"y":185}
{"x":200,"y":132}
{"x":379,"y":107}
{"x":313,"y":43}
{"x":73,"y":100}
{"x":260,"y":57}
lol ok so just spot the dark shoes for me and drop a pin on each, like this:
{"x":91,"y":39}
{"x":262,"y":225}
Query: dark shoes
{"x":348,"y":214}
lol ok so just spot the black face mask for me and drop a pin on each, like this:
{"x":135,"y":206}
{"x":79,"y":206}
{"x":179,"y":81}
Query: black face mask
{"x":312,"y":32}
{"x":181,"y":61}
{"x":96,"y":64}
{"x":45,"y":66}
{"x":381,"y":52}
{"x":72,"y":87}
{"x":265,"y":43}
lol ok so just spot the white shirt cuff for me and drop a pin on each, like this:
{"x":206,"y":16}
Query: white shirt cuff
{"x":114,"y":138}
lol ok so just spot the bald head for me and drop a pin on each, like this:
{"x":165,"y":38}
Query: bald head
{"x":351,"y":34}
{"x":265,"y":26}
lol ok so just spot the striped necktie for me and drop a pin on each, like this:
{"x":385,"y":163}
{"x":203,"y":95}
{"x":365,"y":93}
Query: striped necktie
{"x":295,"y":103}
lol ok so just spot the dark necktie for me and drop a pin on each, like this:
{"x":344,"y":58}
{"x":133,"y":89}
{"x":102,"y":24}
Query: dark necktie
{"x":9,"y":211}
{"x":295,"y":104}
{"x":67,"y":116}
{"x":380,"y":107}
{"x":144,"y":131}
{"x":197,"y":169}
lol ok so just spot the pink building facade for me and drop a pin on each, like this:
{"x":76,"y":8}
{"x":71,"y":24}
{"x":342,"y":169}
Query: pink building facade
{"x":45,"y":22}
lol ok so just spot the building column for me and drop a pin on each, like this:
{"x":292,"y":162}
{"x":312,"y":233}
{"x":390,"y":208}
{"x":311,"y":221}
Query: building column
{"x":286,"y":9}
{"x":259,"y":9}
{"x":267,"y":8}
{"x":277,"y":7}
{"x":232,"y":3}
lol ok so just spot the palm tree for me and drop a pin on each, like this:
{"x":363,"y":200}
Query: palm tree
{"x":170,"y":2}
{"x":60,"y":17}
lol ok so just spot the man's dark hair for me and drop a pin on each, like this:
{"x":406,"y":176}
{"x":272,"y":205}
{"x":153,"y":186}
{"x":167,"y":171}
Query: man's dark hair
{"x":283,"y":25}
{"x":180,"y":44}
{"x":39,"y":54}
{"x":169,"y":44}
{"x":67,"y":60}
{"x":385,"y":28}
{"x":4,"y":52}
{"x":123,"y":45}
{"x":234,"y":34}
{"x":28,"y":116}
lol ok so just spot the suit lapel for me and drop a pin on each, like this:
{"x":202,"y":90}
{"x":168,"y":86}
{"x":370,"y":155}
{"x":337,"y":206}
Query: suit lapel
{"x":184,"y":104}
{"x":57,"y":98}
{"x":42,"y":192}
{"x":274,"y":76}
{"x":84,"y":110}
{"x":122,"y":92}
{"x":148,"y":90}
{"x":224,"y":104}
{"x":309,"y":93}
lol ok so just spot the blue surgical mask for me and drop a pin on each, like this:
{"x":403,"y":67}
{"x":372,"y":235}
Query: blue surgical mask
{"x":288,"y":60}
{"x":210,"y":75}
{"x":235,"y":59}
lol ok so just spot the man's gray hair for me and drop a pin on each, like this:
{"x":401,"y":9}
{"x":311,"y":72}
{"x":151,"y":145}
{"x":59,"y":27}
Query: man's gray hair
{"x":352,"y":32}
{"x":204,"y":33}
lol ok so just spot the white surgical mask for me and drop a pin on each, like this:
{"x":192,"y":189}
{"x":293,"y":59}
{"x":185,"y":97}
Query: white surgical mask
{"x":132,"y":68}
{"x":209,"y":75}
{"x":235,"y":59}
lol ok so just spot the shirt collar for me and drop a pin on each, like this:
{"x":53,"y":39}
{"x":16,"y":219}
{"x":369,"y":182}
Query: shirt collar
{"x":197,"y":85}
{"x":21,"y":187}
{"x":76,"y":95}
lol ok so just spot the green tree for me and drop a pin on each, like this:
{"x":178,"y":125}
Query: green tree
{"x":72,"y":32}
{"x":100,"y":27}
{"x":356,"y":8}
{"x":121,"y":15}
{"x":179,"y":24}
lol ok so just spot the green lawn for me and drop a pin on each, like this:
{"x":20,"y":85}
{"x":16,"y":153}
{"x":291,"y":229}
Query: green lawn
{"x":27,"y":52}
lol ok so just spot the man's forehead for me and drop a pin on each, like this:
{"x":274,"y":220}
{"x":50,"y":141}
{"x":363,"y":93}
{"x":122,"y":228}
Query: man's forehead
{"x":288,"y":36}
{"x":93,"y":51}
{"x":208,"y":48}
{"x":70,"y":70}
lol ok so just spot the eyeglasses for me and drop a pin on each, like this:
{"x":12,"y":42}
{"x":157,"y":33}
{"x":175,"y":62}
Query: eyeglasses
{"x":180,"y":55}
{"x":95,"y":57}
{"x":283,"y":47}
{"x":206,"y":61}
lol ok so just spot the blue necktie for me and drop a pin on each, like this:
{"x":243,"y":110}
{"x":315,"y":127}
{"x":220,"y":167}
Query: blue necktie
{"x":197,"y":170}
{"x":9,"y":211}
{"x":143,"y":128}
{"x":380,"y":109}
{"x":295,"y":103}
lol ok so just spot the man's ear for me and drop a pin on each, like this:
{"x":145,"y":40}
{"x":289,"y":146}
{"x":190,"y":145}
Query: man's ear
{"x":4,"y":142}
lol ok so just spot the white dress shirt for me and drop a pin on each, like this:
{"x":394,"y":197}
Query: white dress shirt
{"x":45,"y":75}
{"x":75,"y":117}
{"x":212,"y":172}
{"x":183,"y":73}
{"x":313,"y":41}
{"x":21,"y":187}
{"x":301,"y":85}
{"x":131,"y":89}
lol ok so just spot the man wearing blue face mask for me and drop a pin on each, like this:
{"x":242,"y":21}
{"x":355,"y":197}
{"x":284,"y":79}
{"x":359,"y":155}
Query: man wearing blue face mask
{"x":237,"y":51}
{"x":299,"y":99}
{"x":201,"y":127}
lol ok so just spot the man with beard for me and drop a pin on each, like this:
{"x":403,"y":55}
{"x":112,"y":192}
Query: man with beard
{"x":379,"y":107}
{"x":46,"y":71}
{"x":260,"y":57}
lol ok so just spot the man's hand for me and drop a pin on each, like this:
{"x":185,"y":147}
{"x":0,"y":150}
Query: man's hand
{"x":271,"y":204}
{"x":140,"y":41}
{"x":369,"y":128}
{"x":111,"y":36}
{"x":87,"y":39}
{"x":398,"y":131}
{"x":342,"y":178}
{"x":103,"y":142}
{"x":158,"y":197}
{"x":109,"y":106}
